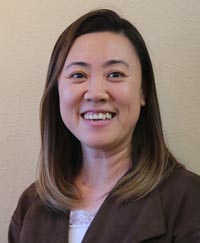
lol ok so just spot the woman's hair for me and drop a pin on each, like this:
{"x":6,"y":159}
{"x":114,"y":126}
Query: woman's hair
{"x":61,"y":157}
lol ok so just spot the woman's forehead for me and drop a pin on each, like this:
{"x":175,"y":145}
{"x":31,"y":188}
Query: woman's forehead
{"x":102,"y":46}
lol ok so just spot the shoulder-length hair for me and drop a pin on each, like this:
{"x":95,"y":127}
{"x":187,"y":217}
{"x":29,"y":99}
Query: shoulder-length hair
{"x":61,"y":157}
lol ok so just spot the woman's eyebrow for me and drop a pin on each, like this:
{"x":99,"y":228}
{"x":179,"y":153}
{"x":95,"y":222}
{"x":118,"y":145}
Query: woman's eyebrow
{"x":82,"y":64}
{"x":114,"y":61}
{"x":105,"y":64}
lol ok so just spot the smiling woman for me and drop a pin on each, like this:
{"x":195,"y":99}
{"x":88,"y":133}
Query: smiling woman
{"x":97,"y":67}
{"x":105,"y":172}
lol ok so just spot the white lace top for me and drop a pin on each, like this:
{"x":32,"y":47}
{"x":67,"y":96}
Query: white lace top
{"x":79,"y":221}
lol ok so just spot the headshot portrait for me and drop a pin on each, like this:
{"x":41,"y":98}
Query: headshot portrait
{"x":110,"y":144}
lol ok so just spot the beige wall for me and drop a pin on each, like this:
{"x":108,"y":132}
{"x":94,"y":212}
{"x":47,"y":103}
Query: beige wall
{"x":28,"y":32}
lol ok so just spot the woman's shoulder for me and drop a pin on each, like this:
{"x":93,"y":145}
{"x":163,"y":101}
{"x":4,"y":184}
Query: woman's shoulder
{"x":25,"y":202}
{"x":180,"y":199}
{"x":29,"y":215}
{"x":28,"y":198}
{"x":181,"y":185}
{"x":181,"y":181}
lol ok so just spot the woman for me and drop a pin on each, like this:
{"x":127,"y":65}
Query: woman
{"x":105,"y":172}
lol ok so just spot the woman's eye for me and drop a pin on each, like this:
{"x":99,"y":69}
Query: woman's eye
{"x":116,"y":75}
{"x":78,"y":76}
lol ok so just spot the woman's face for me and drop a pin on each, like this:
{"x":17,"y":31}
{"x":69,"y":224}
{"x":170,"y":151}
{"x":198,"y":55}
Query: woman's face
{"x":100,"y":90}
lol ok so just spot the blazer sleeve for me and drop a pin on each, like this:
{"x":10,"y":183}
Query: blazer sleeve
{"x":26,"y":200}
{"x":14,"y":231}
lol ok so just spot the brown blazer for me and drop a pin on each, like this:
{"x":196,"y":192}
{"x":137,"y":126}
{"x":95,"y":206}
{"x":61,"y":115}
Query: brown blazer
{"x":170,"y":213}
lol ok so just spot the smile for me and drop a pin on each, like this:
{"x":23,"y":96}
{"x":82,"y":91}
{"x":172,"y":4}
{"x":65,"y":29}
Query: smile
{"x":98,"y":116}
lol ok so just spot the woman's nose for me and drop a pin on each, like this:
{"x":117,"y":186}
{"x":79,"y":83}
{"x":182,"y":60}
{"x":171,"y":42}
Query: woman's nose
{"x":96,"y":91}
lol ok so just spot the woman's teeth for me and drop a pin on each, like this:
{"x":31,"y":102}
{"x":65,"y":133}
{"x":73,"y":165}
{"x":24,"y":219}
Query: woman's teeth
{"x":97,"y":116}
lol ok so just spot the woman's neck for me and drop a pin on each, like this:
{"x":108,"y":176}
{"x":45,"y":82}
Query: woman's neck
{"x":100,"y":173}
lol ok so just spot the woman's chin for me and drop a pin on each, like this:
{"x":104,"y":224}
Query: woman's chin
{"x":98,"y":145}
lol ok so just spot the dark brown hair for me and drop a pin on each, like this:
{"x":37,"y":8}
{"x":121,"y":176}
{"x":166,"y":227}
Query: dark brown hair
{"x":61,"y":157}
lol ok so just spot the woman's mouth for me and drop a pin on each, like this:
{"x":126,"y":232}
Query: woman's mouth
{"x":98,"y":116}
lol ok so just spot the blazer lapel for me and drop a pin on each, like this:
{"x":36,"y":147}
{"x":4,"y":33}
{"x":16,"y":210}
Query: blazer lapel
{"x":151,"y":221}
{"x":133,"y":221}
